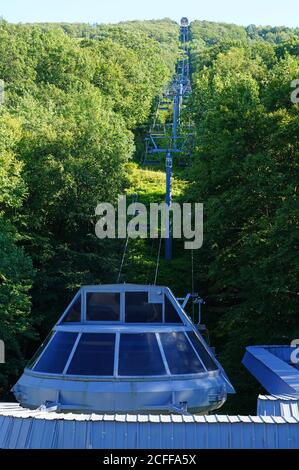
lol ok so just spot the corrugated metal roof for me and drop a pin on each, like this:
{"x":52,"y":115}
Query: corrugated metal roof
{"x":18,"y":412}
{"x":27,"y":429}
{"x":278,"y":405}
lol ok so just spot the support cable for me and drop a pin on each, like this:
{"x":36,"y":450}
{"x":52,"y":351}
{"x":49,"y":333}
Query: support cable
{"x":158,"y":261}
{"x":134,"y":201}
{"x":151,"y":254}
{"x":123,"y":259}
{"x":192,"y":285}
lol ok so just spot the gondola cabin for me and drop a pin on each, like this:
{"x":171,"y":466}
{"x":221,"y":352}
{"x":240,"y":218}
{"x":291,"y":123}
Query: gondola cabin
{"x":124,"y":348}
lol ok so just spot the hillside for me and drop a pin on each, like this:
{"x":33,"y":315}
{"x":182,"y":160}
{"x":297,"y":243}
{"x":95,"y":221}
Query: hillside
{"x":78,"y":102}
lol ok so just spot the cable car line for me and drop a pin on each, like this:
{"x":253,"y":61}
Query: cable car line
{"x":173,"y":141}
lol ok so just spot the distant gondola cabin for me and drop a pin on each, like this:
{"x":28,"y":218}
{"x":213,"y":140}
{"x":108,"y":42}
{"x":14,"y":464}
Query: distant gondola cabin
{"x":184,"y":22}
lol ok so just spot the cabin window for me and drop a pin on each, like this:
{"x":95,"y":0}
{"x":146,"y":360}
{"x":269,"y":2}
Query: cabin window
{"x":202,"y":352}
{"x":139,"y":310}
{"x":94,"y":355}
{"x":73,"y":315}
{"x":40,"y":350}
{"x":103,"y":306}
{"x":139,"y":354}
{"x":171,"y":315}
{"x":181,"y":357}
{"x":55,"y":357}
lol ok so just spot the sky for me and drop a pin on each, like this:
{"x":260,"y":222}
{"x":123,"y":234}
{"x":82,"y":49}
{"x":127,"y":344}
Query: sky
{"x":243,"y":12}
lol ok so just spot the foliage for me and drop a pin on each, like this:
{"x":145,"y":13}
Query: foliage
{"x":72,"y":104}
{"x":247,"y":160}
{"x":77,"y":100}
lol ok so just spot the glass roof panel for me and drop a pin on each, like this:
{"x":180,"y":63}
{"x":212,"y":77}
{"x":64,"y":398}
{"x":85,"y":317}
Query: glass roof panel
{"x":103,"y":306}
{"x":94,"y":355}
{"x":202,"y":352}
{"x":139,"y":354}
{"x":181,"y":357}
{"x":54,"y":359}
{"x":40,"y":350}
{"x":139,"y":310}
{"x":73,"y":314}
{"x":171,"y":315}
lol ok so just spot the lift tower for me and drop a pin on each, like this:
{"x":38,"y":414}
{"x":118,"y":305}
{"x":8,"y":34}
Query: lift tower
{"x":175,"y":138}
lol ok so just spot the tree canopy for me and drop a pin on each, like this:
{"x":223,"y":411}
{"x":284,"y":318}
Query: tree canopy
{"x":73,"y":100}
{"x":77,"y":100}
{"x":246,"y":173}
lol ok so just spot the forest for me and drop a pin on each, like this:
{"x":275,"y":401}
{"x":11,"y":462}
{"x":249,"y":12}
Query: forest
{"x":78,"y":101}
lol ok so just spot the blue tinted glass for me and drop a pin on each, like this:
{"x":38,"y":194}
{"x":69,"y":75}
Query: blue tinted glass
{"x":139,"y":354}
{"x":73,"y":315}
{"x":55,"y":357}
{"x":40,"y":350}
{"x":103,"y":306}
{"x":138,"y":310}
{"x":171,"y":315}
{"x":180,"y":355}
{"x":94,"y":355}
{"x":202,"y":352}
